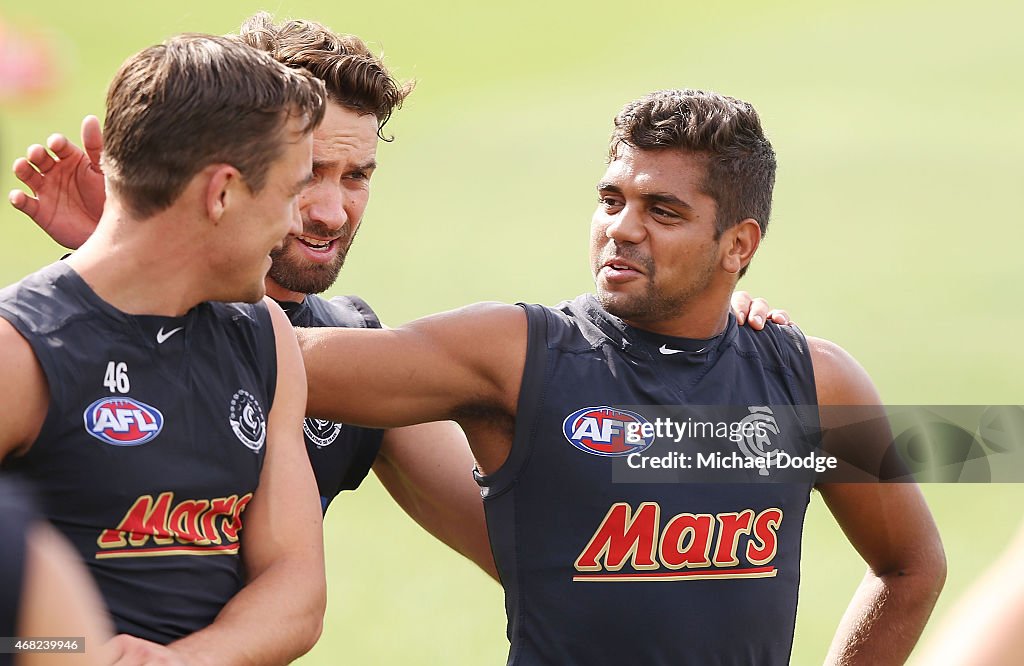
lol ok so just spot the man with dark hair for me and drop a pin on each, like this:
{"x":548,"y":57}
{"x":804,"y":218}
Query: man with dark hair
{"x":148,"y":411}
{"x":431,"y":483}
{"x":436,"y":489}
{"x":707,"y":572}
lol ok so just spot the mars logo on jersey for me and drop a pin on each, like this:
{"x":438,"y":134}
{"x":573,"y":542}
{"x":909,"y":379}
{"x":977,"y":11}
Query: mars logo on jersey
{"x":246,"y":419}
{"x":321,"y":431}
{"x":686,"y":546}
{"x":122,"y":421}
{"x":601,"y":431}
{"x":162,"y":525}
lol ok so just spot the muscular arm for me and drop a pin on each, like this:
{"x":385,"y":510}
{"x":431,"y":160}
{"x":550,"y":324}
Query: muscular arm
{"x":465,"y":365}
{"x":892,"y":529}
{"x":427,"y":469}
{"x":23,"y":392}
{"x":278,"y":615}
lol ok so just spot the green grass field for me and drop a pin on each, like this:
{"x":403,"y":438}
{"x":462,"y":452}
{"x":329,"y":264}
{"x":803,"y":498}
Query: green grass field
{"x":899,"y":133}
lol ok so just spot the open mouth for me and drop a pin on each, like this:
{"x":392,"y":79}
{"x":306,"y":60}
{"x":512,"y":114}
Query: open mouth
{"x":617,"y":265}
{"x":316,"y":244}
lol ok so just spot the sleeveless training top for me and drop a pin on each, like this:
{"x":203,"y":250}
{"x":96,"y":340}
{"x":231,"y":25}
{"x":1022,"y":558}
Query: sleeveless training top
{"x":341,"y":454}
{"x":152,"y":445}
{"x":604,"y":561}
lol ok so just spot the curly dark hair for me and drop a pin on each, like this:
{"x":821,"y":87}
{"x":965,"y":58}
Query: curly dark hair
{"x":739,"y":160}
{"x":355,"y":77}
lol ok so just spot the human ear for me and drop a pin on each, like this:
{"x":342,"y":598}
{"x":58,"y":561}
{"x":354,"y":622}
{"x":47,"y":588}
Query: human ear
{"x":221,"y":189}
{"x":739,"y":243}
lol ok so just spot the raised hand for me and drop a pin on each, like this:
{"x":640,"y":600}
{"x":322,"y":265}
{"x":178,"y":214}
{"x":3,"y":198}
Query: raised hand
{"x":67,"y":183}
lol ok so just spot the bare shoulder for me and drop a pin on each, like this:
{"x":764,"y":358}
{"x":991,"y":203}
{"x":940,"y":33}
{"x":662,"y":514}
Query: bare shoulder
{"x":23,"y":391}
{"x":291,"y":375}
{"x":839,"y":378}
{"x":282,"y":327}
{"x":21,"y":368}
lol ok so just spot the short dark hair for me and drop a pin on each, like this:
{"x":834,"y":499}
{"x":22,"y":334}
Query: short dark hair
{"x":726,"y":132}
{"x":355,"y":77}
{"x":175,"y":108}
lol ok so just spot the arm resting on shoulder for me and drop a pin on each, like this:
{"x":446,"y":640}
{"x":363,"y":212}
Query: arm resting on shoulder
{"x":463,"y":365}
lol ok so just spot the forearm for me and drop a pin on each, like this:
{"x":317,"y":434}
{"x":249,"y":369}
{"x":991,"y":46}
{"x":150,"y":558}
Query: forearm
{"x":427,"y":469}
{"x":274,"y":619}
{"x":453,"y":528}
{"x":885,"y":617}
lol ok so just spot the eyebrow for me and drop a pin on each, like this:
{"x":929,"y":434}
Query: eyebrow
{"x":365,"y":166}
{"x":653,"y":197}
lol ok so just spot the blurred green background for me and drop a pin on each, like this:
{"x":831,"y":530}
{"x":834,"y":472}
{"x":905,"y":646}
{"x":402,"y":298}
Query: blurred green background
{"x":899,"y":131}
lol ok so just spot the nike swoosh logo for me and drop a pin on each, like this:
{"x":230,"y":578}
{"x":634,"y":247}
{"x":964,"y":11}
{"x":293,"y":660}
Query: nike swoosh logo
{"x":665,"y":350}
{"x":161,"y":337}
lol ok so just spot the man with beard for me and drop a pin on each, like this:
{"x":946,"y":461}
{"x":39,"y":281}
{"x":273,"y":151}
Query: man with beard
{"x":603,"y":569}
{"x":434,"y":486}
{"x":426,"y":467}
{"x":152,"y":395}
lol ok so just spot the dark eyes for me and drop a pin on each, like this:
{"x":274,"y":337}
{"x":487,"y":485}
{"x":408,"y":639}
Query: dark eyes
{"x":656,"y":211}
{"x":663,"y":212}
{"x":319,"y":175}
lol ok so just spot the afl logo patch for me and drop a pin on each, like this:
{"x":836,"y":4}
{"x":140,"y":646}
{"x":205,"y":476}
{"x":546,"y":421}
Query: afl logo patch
{"x":246,"y":419}
{"x":321,"y":431}
{"x":602,"y":431}
{"x":122,"y":421}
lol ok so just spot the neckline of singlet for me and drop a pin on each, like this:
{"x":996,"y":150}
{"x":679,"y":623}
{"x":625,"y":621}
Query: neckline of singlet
{"x":654,"y":346}
{"x":292,"y":307}
{"x":155,"y":329}
{"x":670,"y":345}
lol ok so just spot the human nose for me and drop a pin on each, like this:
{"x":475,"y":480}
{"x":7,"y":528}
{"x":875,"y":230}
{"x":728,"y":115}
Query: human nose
{"x":625,"y":226}
{"x":325,"y":205}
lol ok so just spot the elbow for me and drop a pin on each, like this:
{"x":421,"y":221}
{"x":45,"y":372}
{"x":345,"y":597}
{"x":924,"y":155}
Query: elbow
{"x":938,"y":568}
{"x":311,"y":626}
{"x":923,"y":576}
{"x":316,"y":621}
{"x":934,"y":567}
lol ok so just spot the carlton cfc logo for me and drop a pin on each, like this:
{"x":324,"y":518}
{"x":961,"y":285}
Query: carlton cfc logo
{"x":123,"y":421}
{"x":601,"y":431}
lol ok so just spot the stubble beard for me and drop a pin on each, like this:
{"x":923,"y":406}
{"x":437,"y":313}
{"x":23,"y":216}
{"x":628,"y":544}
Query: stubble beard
{"x":301,"y":276}
{"x":653,"y":305}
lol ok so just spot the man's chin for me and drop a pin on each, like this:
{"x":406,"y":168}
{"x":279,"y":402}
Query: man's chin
{"x":305,"y":278}
{"x":254,"y":294}
{"x":623,"y":306}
